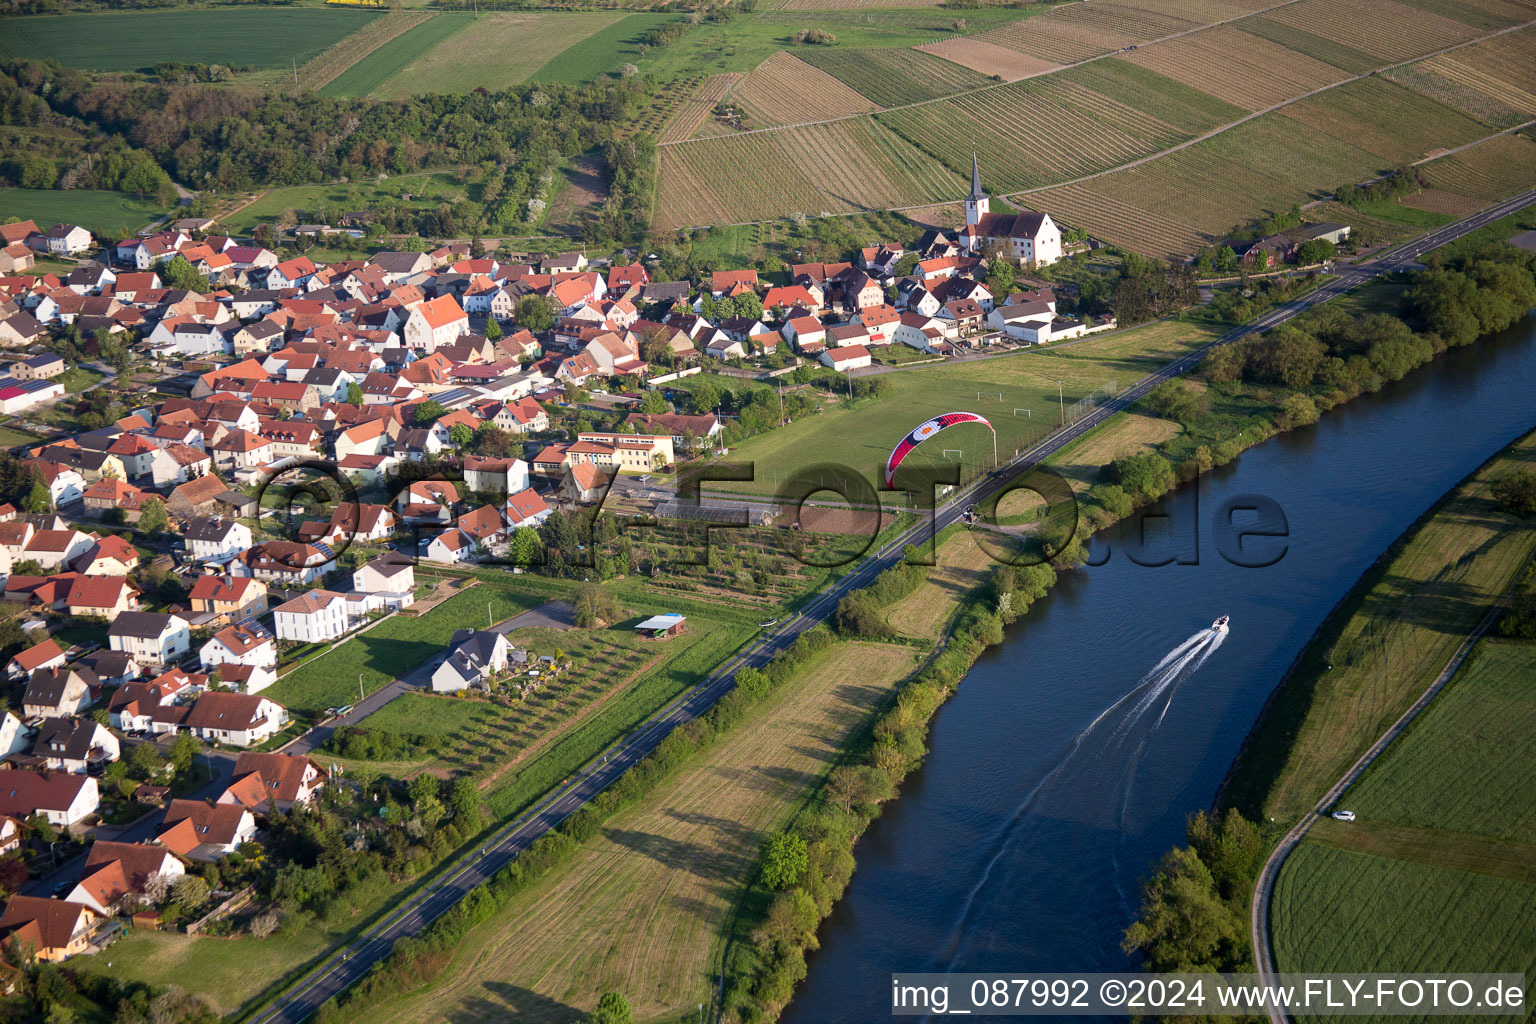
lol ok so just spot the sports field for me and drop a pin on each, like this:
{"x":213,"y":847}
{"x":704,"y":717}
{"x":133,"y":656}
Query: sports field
{"x":641,"y":908}
{"x":1381,"y":649}
{"x":259,"y":37}
{"x":860,"y":438}
{"x":102,"y":213}
{"x":501,"y":50}
{"x":1438,"y":872}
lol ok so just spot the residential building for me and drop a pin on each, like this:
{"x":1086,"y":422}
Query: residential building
{"x":157,"y":638}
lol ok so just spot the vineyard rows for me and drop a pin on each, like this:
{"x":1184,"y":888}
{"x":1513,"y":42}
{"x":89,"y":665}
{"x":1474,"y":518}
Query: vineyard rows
{"x":988,"y":58}
{"x":1495,"y":169}
{"x":693,"y":112}
{"x":1385,"y":30}
{"x":786,"y":90}
{"x":1237,"y":67}
{"x":895,"y":76}
{"x":1386,"y":119}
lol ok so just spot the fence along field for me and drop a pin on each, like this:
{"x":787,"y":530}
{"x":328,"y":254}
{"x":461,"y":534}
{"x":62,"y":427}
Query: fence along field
{"x":838,"y":167}
{"x":260,"y":37}
{"x":786,"y":90}
{"x":326,"y":67}
{"x":891,"y":77}
{"x":689,"y":117}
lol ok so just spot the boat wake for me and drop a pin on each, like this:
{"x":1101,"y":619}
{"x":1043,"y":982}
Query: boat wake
{"x":1090,"y":781}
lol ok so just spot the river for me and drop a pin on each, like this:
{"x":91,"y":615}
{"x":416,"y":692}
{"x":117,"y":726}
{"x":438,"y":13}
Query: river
{"x":1013,"y":850}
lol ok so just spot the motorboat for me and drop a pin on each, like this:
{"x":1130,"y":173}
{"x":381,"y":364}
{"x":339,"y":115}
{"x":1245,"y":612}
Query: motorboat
{"x":1220,"y":625}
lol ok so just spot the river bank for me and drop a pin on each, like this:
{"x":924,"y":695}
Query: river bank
{"x":901,"y":906}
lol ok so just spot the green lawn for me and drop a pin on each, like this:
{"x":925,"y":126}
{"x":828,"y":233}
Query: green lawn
{"x":10,"y":437}
{"x":107,"y":215}
{"x":374,"y":70}
{"x":258,"y":37}
{"x":394,"y":648}
{"x":77,"y":378}
{"x":860,"y":438}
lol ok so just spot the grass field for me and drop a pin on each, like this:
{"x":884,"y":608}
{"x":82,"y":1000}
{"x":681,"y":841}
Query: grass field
{"x":499,"y":51}
{"x":641,"y":908}
{"x":962,"y":565}
{"x":1453,"y":768}
{"x":428,"y":189}
{"x":1387,"y":641}
{"x":1338,"y":910}
{"x":259,"y":37}
{"x":1131,"y":433}
{"x":102,"y":213}
{"x":1439,"y":870}
{"x":325,"y":68}
{"x":382,"y":65}
{"x":603,"y":52}
{"x":1027,"y":381}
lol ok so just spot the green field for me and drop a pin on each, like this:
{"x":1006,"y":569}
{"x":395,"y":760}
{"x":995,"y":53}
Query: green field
{"x":1337,"y":910}
{"x":108,"y":215}
{"x":429,"y":189}
{"x":1387,"y":641}
{"x":1438,"y":873}
{"x":258,"y":37}
{"x":500,"y":51}
{"x":379,"y":68}
{"x":1454,"y":769}
{"x":862,"y":437}
{"x":603,"y":52}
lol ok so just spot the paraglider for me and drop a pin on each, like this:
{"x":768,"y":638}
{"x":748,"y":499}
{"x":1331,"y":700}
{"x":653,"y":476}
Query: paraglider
{"x":927,"y":429}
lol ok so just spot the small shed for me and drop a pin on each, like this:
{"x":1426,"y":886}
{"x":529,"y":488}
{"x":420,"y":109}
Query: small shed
{"x":659,"y":627}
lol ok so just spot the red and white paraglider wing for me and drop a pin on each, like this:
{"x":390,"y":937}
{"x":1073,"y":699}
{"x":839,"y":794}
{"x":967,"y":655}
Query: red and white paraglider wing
{"x":922,"y":432}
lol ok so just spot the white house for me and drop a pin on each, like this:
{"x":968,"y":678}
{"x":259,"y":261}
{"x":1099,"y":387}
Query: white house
{"x":390,"y":578}
{"x":846,"y":357}
{"x":75,"y":745}
{"x":215,"y":539}
{"x":437,"y":322}
{"x":153,"y":637}
{"x":475,"y":655}
{"x":1029,"y":236}
{"x":62,"y":799}
{"x":67,"y":239}
{"x":244,"y":643}
{"x":239,"y":719}
{"x":309,"y":618}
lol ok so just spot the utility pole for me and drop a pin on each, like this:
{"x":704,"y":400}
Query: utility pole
{"x":359,"y":686}
{"x":1061,"y":397}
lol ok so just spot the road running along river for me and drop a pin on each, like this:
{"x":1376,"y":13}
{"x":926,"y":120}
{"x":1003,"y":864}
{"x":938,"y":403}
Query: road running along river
{"x":1014,"y":850}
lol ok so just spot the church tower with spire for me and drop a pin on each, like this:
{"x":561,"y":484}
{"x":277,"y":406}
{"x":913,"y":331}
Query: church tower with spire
{"x":977,"y":203}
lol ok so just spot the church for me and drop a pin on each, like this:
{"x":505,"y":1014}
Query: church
{"x":1028,"y":236}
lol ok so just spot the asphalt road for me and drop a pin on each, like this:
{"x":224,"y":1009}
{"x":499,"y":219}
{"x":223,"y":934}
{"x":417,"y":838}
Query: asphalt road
{"x":347,"y":966}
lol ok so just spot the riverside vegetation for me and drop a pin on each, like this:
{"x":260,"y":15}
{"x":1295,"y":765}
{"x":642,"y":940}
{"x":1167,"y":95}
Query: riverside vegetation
{"x":1196,"y":906}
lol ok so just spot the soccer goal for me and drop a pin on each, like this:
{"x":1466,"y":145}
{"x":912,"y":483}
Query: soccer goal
{"x":958,"y":453}
{"x":983,"y":394}
{"x":1024,"y":411}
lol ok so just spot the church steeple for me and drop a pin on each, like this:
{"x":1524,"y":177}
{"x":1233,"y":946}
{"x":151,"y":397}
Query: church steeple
{"x":977,"y":204}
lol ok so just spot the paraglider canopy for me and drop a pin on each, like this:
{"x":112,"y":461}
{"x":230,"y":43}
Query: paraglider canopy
{"x":922,"y":432}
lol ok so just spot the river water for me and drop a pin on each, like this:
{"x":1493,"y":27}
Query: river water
{"x":1014,"y":849}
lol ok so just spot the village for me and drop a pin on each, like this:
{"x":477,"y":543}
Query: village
{"x":454,"y":400}
{"x":384,"y":372}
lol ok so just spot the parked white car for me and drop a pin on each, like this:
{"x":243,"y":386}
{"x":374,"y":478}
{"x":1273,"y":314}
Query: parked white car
{"x":1344,"y":815}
